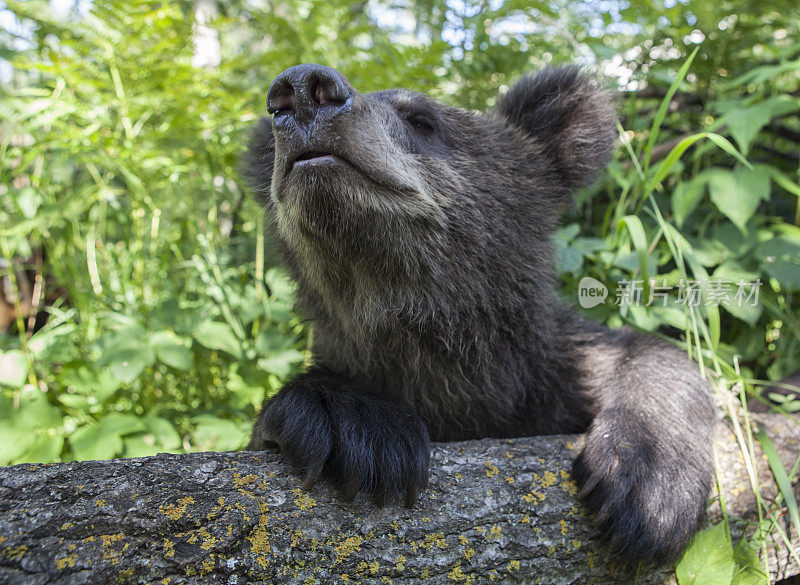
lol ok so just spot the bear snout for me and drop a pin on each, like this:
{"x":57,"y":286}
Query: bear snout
{"x":309,"y":94}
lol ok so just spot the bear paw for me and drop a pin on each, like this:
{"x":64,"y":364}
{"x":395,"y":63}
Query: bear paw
{"x":647,"y":497}
{"x":356,"y":441}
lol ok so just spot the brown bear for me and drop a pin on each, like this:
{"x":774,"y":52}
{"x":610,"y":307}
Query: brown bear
{"x":420,"y":238}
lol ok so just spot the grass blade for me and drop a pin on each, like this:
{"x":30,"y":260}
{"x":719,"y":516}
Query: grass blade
{"x":781,"y":479}
{"x":662,"y":108}
{"x":639,"y":239}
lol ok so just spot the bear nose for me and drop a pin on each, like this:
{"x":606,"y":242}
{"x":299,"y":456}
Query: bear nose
{"x":308,"y":89}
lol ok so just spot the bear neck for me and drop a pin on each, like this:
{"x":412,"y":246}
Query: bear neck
{"x":456,"y":341}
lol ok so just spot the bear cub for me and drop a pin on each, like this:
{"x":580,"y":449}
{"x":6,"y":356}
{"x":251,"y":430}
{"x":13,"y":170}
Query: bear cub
{"x":420,"y":239}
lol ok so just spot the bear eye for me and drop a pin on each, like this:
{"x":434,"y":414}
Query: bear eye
{"x":420,"y":122}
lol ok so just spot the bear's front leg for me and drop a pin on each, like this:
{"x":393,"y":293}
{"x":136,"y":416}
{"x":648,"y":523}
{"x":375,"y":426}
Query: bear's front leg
{"x":647,"y":465}
{"x":329,"y":427}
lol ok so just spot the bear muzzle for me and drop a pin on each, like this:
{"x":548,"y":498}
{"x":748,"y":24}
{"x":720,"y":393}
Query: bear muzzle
{"x":308,"y":102}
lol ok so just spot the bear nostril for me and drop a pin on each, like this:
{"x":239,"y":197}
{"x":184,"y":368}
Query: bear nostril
{"x":319,"y":93}
{"x":282,"y":99}
{"x":326,"y":92}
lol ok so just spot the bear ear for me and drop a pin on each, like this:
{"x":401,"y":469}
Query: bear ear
{"x":570,"y":115}
{"x":259,"y":160}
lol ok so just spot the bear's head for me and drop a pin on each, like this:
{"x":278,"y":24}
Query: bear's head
{"x":394,"y":186}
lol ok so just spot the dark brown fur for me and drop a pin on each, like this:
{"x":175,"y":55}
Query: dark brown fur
{"x":423,"y":257}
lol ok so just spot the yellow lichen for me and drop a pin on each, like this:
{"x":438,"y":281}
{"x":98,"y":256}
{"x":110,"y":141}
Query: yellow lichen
{"x":563,"y":524}
{"x":175,"y":511}
{"x":548,"y":479}
{"x":434,"y":539}
{"x":347,"y":547}
{"x":109,"y":552}
{"x":457,"y":574}
{"x":303,"y":500}
{"x":246,"y":481}
{"x":169,"y":548}
{"x":208,"y":540}
{"x":67,"y":561}
{"x":533,"y":497}
{"x":259,"y":542}
{"x":513,"y":566}
{"x":207,"y":565}
{"x":491,"y":469}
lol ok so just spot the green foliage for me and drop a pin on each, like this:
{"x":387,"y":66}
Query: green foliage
{"x":168,"y":321}
{"x":711,"y":558}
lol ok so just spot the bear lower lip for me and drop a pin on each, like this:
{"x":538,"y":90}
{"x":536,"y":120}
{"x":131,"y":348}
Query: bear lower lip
{"x":316,"y":158}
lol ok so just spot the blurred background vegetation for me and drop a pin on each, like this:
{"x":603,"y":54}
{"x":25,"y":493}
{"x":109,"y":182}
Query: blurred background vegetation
{"x":141,"y":305}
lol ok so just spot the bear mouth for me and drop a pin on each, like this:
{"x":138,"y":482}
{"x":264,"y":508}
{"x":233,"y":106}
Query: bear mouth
{"x":317,"y":158}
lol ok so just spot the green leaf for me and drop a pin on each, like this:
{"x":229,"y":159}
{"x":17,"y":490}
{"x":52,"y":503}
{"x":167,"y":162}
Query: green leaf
{"x":45,"y":449}
{"x":127,"y":360}
{"x":639,"y":239}
{"x":786,"y":273}
{"x":664,"y":105}
{"x":55,"y":345}
{"x":15,"y":439}
{"x":171,"y":349}
{"x":101,"y":384}
{"x":163,"y":431}
{"x":665,"y":166}
{"x":217,"y":335}
{"x":212,"y":433}
{"x":13,"y":368}
{"x":748,"y":565}
{"x":140,"y":446}
{"x":91,"y":442}
{"x":737,"y":194}
{"x":781,"y":478}
{"x":281,"y":287}
{"x":28,"y":201}
{"x":121,"y":423}
{"x":685,"y":198}
{"x":736,"y":305}
{"x":708,"y":559}
{"x":723,"y":143}
{"x":745,"y":122}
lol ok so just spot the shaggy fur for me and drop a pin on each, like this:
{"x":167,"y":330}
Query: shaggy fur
{"x":419,"y":236}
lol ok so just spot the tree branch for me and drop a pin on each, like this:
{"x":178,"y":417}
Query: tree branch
{"x":502,"y":510}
